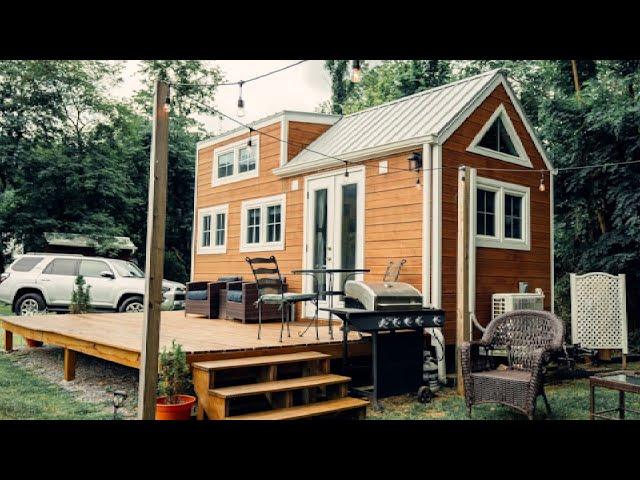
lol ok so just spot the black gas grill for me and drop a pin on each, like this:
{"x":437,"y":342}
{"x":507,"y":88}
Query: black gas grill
{"x":396,"y":321}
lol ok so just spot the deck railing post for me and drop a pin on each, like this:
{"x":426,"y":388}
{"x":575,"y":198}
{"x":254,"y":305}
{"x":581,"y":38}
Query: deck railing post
{"x":155,"y":254}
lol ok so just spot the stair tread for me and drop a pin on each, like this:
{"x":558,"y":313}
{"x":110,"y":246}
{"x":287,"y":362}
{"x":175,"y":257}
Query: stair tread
{"x":279,"y":385}
{"x":302,"y":411}
{"x":260,"y":360}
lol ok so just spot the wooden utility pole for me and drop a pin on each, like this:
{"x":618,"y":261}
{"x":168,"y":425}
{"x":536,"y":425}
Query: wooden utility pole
{"x":462,"y":273}
{"x":155,"y":254}
{"x":576,"y":80}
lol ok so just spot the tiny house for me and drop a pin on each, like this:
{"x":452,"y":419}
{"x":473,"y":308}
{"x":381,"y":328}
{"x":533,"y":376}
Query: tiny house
{"x":380,"y":184}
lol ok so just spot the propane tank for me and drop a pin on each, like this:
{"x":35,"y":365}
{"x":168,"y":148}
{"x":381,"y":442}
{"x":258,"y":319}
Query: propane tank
{"x":430,"y":372}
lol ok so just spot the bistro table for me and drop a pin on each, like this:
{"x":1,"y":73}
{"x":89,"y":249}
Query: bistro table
{"x":329,"y":291}
{"x":622,"y":381}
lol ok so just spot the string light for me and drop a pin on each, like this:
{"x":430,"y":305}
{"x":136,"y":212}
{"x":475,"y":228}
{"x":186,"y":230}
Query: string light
{"x":356,"y":72}
{"x":418,"y":184}
{"x":250,"y":143}
{"x":167,"y":104}
{"x":346,"y":169}
{"x":542,"y":188}
{"x":555,"y":171}
{"x":240,"y":101}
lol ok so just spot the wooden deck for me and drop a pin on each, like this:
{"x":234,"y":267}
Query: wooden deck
{"x":117,"y":337}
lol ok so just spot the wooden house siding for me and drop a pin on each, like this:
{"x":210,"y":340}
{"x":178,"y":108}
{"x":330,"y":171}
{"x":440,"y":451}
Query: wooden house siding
{"x":211,"y":266}
{"x":497,"y":270}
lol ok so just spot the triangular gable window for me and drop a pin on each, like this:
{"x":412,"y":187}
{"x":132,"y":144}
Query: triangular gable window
{"x":498,"y":139}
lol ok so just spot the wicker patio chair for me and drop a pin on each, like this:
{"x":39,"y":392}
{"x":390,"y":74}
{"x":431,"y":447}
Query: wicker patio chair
{"x":528,"y":336}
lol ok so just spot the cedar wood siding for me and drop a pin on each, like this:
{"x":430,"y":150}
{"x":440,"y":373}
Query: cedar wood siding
{"x":393,"y":211}
{"x":497,"y":270}
{"x":212,"y":266}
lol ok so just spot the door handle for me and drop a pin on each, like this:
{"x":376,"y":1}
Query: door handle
{"x":45,"y":280}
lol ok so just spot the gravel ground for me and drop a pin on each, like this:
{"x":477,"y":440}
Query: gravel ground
{"x":95,"y":380}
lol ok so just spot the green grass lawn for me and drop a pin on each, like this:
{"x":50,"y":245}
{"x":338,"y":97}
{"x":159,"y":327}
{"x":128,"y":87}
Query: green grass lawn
{"x":569,"y":401}
{"x":25,"y":396}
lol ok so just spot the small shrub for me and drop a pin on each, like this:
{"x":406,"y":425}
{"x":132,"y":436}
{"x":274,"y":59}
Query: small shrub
{"x":174,"y":377}
{"x":81,"y":297}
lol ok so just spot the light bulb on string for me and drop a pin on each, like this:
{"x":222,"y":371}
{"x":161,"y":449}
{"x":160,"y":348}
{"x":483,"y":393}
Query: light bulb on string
{"x":418,"y":184}
{"x":356,"y":72}
{"x":240,"y":101}
{"x":542,"y":187}
{"x":167,"y":104}
{"x":346,"y":170}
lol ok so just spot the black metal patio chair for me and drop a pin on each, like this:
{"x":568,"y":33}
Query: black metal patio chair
{"x":271,"y":291}
{"x":393,"y":270}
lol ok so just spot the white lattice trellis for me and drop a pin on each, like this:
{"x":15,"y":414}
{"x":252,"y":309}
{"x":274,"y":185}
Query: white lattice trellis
{"x":599,"y":311}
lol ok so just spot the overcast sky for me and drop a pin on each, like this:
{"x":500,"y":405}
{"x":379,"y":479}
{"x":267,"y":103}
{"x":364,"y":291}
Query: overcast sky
{"x":303,"y":87}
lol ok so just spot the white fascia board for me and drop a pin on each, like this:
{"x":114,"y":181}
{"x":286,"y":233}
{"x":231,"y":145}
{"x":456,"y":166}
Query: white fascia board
{"x":291,"y":116}
{"x":353,"y":157}
{"x":453,"y":125}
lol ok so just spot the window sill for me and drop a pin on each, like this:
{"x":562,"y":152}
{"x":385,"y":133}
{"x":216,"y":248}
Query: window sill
{"x":238,"y":177}
{"x":211,"y":250}
{"x":485,"y":242}
{"x":262,"y":247}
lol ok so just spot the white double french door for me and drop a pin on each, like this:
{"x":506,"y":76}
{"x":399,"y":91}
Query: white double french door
{"x":334,"y":230}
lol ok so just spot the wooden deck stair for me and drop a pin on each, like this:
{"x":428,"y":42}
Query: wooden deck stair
{"x":289,"y":386}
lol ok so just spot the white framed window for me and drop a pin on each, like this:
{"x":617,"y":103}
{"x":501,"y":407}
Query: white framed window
{"x":236,"y":161}
{"x":498,"y":139}
{"x":262,"y":224}
{"x":502,"y":216}
{"x":213,"y":225}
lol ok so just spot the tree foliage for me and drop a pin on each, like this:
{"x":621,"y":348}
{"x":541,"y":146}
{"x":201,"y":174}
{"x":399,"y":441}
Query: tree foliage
{"x":73,"y":160}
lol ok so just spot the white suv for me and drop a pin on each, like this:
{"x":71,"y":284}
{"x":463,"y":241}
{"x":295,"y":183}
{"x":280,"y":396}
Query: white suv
{"x":37,"y":282}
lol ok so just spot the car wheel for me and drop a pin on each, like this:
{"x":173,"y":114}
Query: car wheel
{"x":30,"y":304}
{"x":132,"y":305}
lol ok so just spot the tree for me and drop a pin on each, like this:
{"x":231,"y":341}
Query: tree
{"x":81,"y":296}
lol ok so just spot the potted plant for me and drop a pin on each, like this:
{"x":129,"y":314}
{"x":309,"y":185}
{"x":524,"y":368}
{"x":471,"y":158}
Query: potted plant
{"x":174,"y":380}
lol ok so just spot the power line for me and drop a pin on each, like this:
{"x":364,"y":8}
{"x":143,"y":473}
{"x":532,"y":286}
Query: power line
{"x":349,"y":162}
{"x":239,"y":82}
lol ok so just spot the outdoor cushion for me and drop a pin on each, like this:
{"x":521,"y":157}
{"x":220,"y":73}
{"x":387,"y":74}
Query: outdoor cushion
{"x":288,"y":297}
{"x":510,"y":375}
{"x":234,"y":296}
{"x":229,"y":279}
{"x":197,"y":295}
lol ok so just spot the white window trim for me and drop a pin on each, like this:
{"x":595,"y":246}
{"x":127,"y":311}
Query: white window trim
{"x":213,"y":211}
{"x":263,"y":203}
{"x":235,"y":147}
{"x":499,"y":240}
{"x":521,"y":159}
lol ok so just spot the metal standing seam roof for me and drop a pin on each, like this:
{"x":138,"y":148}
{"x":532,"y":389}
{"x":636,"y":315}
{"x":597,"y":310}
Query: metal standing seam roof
{"x":422,"y":114}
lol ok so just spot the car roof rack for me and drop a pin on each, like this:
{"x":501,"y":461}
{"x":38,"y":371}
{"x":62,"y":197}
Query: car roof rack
{"x":56,"y":254}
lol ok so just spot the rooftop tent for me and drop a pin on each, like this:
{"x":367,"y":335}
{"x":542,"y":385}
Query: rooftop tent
{"x":122,"y":247}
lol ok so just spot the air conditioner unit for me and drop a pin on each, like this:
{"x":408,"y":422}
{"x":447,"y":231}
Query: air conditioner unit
{"x":508,"y":302}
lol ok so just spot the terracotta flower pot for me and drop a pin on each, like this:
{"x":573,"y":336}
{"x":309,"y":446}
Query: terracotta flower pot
{"x":178,"y":411}
{"x":33,"y":343}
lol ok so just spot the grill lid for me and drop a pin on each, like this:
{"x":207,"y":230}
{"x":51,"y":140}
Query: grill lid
{"x":384,"y":295}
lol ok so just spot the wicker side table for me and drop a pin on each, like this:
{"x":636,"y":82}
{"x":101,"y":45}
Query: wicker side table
{"x":622,"y":381}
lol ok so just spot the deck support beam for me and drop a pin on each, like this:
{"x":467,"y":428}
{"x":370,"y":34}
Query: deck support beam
{"x":69,"y":364}
{"x":8,"y":341}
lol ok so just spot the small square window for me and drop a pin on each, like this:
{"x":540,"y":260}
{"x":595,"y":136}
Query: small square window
{"x":253,"y":225}
{"x":206,"y":231}
{"x":486,"y":212}
{"x":274,"y":222}
{"x":220,"y":228}
{"x":225,"y":165}
{"x":246,"y":160}
{"x":512,"y":216}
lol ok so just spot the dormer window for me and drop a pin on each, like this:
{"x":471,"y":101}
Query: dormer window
{"x":236,"y":161}
{"x":498,"y":139}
